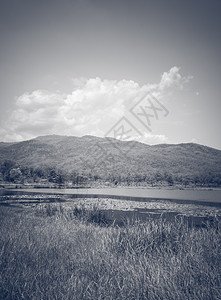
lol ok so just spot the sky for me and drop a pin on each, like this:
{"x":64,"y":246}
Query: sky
{"x":141,"y":70}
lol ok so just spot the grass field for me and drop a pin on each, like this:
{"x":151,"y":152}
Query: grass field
{"x":50,"y":253}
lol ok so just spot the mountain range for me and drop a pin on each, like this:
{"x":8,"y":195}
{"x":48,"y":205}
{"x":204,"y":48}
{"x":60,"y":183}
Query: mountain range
{"x":108,"y":157}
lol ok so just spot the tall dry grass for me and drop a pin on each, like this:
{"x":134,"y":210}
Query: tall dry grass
{"x":61,"y":256}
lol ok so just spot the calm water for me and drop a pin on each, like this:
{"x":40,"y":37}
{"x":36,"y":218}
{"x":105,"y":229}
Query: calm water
{"x":142,"y":194}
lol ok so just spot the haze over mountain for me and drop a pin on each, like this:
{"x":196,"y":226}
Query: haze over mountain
{"x":90,"y":156}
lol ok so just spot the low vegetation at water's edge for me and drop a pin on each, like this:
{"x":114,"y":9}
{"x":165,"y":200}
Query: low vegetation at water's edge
{"x":50,"y":254}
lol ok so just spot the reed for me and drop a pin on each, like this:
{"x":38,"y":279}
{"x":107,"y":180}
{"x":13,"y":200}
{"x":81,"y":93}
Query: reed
{"x":58,"y":255}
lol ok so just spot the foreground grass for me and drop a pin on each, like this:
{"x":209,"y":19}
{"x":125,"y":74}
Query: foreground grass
{"x":55,"y":255}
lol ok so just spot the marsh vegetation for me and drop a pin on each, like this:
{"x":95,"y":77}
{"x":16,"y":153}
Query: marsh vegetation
{"x":54,"y":253}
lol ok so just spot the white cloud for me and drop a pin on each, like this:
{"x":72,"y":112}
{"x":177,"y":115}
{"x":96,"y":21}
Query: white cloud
{"x":194,"y":140}
{"x":173,"y":78}
{"x":152,"y":139}
{"x":92,"y":108}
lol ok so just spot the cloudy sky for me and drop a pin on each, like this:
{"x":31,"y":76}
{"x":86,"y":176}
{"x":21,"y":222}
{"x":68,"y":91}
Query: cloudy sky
{"x":77,"y":67}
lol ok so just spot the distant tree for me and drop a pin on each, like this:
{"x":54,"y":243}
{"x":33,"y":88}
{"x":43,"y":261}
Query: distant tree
{"x":15,"y":174}
{"x":158,"y":177}
{"x":169,"y":179}
{"x":196,"y":180}
{"x":217,"y":180}
{"x":5,"y":169}
{"x":96,"y":177}
{"x":186,"y":181}
{"x":60,"y":179}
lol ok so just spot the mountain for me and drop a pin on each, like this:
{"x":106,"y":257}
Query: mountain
{"x":111,"y":158}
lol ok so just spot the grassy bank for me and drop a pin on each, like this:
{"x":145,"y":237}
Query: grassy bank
{"x":52,"y":254}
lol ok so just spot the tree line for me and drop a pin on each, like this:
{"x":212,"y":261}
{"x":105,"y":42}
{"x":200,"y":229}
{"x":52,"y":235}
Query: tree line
{"x":13,"y":173}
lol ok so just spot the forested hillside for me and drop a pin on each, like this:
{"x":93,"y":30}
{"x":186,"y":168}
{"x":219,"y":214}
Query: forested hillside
{"x":83,"y":160}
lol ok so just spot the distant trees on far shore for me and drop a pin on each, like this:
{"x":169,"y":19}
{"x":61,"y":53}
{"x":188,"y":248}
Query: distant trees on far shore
{"x":13,"y":173}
